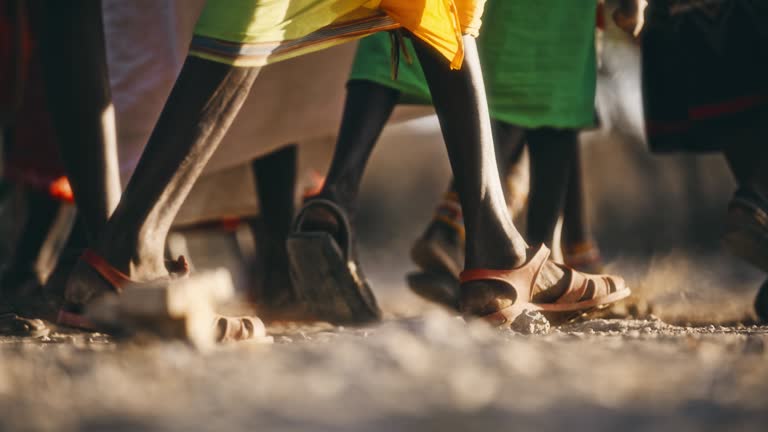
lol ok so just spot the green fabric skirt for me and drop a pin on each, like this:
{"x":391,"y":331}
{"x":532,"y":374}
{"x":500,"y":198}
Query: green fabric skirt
{"x":538,"y":58}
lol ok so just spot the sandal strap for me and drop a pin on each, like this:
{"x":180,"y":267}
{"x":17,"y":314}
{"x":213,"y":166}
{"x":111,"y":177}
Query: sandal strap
{"x":577,"y":287}
{"x":449,"y":212}
{"x":117,"y":279}
{"x":233,"y":329}
{"x":521,"y":279}
{"x":338,"y":212}
{"x":580,"y":284}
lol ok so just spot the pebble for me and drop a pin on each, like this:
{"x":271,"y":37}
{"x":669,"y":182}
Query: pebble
{"x":531,"y":322}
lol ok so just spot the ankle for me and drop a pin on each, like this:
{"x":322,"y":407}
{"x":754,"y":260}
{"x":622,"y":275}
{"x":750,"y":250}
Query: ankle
{"x":140,"y":261}
{"x":495,"y":251}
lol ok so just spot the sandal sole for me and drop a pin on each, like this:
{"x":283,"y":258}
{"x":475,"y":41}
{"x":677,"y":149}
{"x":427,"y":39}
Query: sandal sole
{"x":511,"y":313}
{"x":327,"y":283}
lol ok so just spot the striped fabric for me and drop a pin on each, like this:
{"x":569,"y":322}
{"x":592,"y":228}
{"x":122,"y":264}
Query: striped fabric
{"x":245,"y":54}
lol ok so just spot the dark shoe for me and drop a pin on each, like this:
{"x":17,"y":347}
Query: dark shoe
{"x":325,"y":272}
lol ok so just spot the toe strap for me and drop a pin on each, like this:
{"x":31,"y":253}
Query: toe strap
{"x":521,"y":279}
{"x":232,"y":329}
{"x":587,"y":287}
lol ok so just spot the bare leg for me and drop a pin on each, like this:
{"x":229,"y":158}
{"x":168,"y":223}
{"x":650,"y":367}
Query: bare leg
{"x":366,"y":111}
{"x":491,"y":238}
{"x":205,"y":100}
{"x":509,"y":143}
{"x":40,"y":210}
{"x":275,"y":176}
{"x":79,"y":98}
{"x":575,"y":225}
{"x":552,"y":154}
{"x":459,"y":98}
{"x":580,"y":249}
{"x":441,"y":248}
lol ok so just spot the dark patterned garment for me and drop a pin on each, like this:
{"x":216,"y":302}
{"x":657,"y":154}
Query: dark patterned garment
{"x":705,"y":72}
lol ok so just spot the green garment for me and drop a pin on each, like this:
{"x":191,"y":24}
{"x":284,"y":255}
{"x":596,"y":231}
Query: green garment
{"x":538,"y":59}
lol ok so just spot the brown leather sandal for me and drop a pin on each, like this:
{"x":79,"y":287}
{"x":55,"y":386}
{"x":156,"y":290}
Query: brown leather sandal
{"x":228,"y":329}
{"x":584,"y":291}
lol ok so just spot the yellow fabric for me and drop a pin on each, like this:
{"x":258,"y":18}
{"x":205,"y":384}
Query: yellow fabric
{"x":440,"y":23}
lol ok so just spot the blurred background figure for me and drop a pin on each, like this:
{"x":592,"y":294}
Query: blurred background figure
{"x":705,"y":90}
{"x":35,"y":196}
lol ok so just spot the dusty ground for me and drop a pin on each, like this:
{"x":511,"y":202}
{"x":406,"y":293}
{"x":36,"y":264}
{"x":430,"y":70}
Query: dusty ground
{"x":432,"y":371}
{"x":689,"y":367}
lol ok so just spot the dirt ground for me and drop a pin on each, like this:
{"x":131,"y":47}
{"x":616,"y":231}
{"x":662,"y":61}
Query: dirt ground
{"x":689,"y":360}
{"x":430,"y":373}
{"x":422,"y":369}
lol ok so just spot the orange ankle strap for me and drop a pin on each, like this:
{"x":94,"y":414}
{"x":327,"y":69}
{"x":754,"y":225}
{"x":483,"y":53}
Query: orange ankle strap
{"x":115,"y":277}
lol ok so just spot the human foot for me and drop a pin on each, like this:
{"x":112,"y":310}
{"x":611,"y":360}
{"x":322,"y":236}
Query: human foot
{"x":539,"y":284}
{"x":93,"y":276}
{"x":223,"y":329}
{"x":441,"y":248}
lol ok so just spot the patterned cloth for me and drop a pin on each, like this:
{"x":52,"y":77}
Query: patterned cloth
{"x":259,"y":32}
{"x":705,"y":65}
{"x":538,"y":58}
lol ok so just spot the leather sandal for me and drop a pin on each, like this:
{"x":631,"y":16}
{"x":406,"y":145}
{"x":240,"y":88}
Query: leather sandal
{"x":227,"y":328}
{"x":584,"y":292}
{"x":325,"y":272}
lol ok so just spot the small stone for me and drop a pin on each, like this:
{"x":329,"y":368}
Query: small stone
{"x":530,"y":322}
